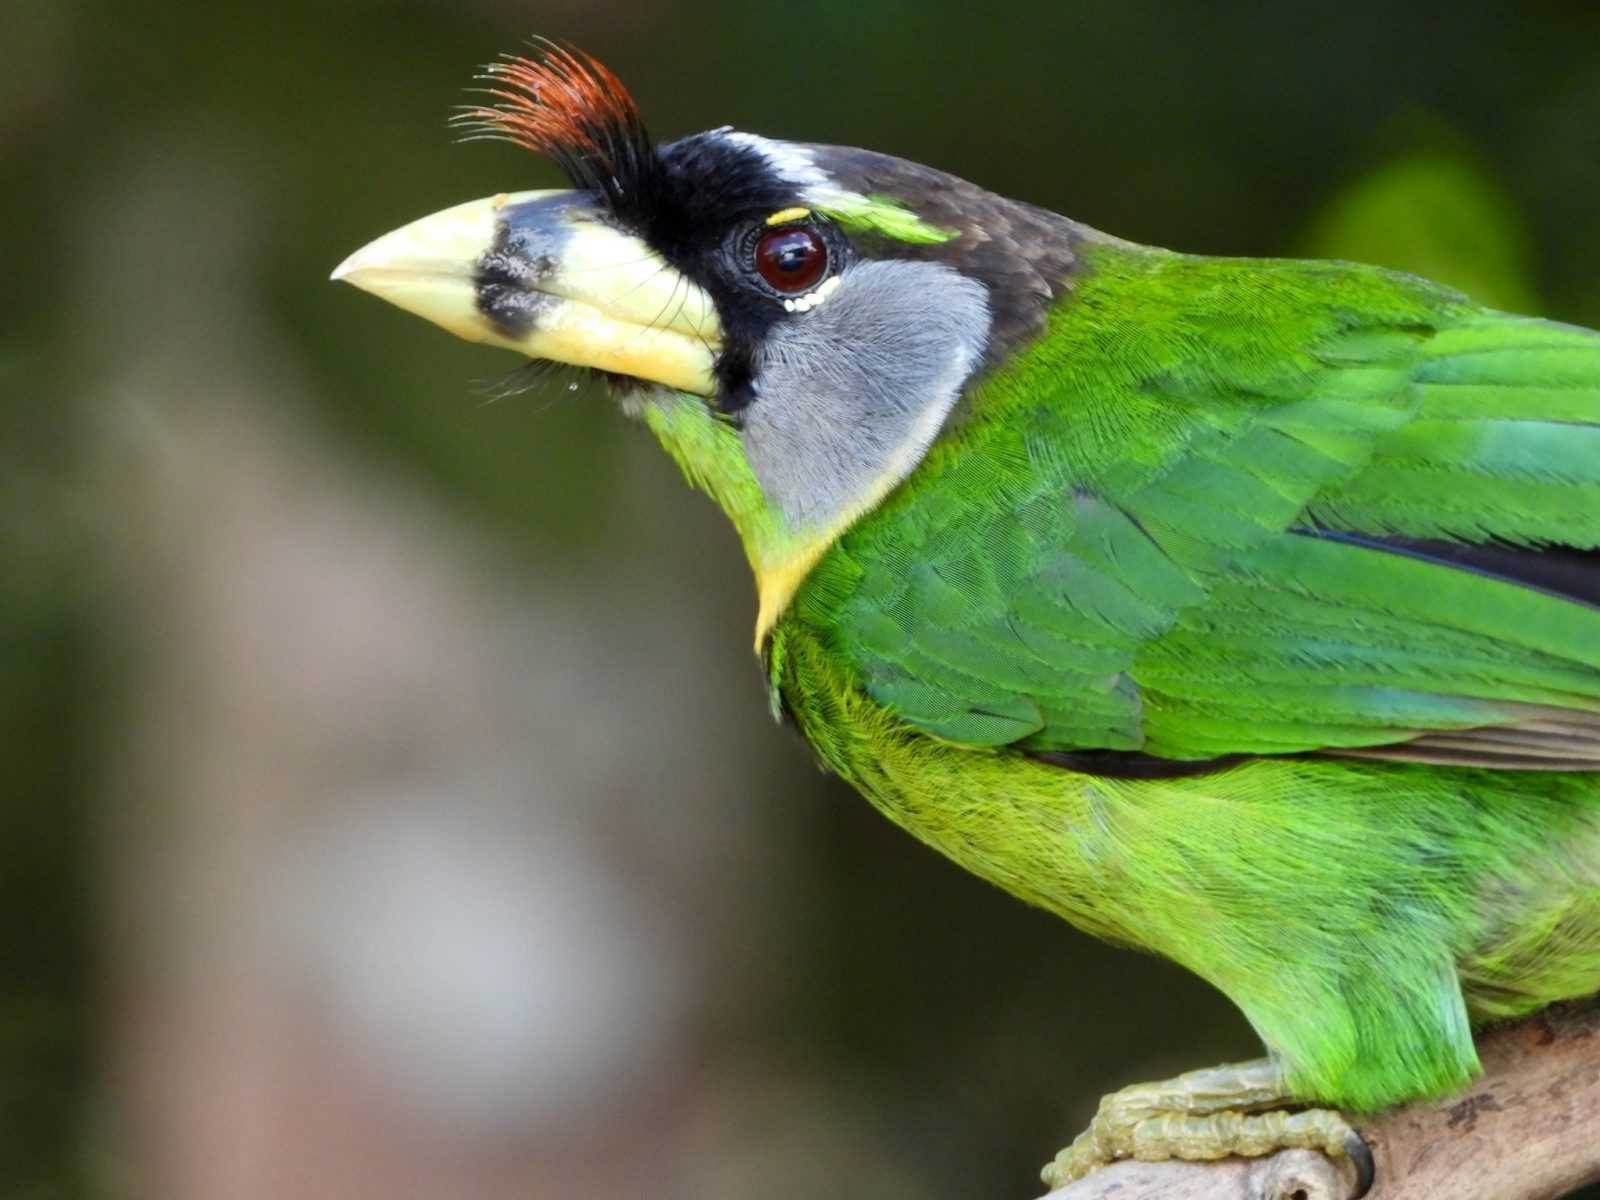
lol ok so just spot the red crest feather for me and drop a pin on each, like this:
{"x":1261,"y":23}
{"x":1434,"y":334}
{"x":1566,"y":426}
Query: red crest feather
{"x":565,"y":105}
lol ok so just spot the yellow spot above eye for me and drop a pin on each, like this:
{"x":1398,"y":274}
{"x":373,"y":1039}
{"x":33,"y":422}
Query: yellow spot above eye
{"x":784,"y":215}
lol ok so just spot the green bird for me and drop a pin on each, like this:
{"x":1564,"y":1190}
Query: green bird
{"x":1243,"y":610}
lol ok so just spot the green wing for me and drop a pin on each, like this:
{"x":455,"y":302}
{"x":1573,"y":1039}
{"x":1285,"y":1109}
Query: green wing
{"x":1232,"y":506}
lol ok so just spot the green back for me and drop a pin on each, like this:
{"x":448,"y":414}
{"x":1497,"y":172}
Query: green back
{"x":1113,"y":549}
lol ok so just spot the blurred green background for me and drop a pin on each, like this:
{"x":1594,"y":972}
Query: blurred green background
{"x":391,"y":806}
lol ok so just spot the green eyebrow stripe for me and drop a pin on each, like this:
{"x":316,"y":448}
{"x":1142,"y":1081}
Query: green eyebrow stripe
{"x":886,"y":216}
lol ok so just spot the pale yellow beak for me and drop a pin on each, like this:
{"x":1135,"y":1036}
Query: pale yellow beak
{"x":543,"y":274}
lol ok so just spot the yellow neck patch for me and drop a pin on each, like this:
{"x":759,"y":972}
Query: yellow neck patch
{"x":779,"y":576}
{"x":778,"y":581}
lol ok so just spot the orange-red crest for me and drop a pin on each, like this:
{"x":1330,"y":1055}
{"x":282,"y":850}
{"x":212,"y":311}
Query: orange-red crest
{"x":565,"y":105}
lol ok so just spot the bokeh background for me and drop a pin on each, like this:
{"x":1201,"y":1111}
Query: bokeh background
{"x":389,"y":804}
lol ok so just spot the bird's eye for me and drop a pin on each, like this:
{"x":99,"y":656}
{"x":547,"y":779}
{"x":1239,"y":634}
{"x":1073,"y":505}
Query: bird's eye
{"x":791,"y":260}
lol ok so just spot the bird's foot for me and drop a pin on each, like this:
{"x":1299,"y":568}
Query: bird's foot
{"x":1242,"y":1109}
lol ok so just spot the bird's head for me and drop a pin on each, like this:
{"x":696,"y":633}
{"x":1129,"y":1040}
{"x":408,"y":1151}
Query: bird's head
{"x":796,"y":322}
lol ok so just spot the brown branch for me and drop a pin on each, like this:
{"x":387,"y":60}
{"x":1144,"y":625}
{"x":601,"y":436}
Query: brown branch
{"x":1528,"y":1129}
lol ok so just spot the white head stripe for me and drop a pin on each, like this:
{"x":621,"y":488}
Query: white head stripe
{"x":796,"y":167}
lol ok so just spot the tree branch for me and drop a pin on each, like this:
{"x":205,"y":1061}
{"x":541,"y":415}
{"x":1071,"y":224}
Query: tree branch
{"x":1527,"y":1129}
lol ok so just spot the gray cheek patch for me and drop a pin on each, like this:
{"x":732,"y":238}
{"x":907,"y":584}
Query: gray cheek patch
{"x":857,"y":388}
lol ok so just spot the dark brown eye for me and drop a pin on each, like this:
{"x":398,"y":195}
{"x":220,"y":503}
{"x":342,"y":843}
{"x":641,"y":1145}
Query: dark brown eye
{"x":791,"y":260}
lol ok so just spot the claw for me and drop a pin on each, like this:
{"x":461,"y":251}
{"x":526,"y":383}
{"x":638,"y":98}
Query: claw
{"x":1360,"y":1155}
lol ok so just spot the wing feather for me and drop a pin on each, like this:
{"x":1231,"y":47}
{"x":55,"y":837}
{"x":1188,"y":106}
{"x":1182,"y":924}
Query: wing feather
{"x":1245,"y":507}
